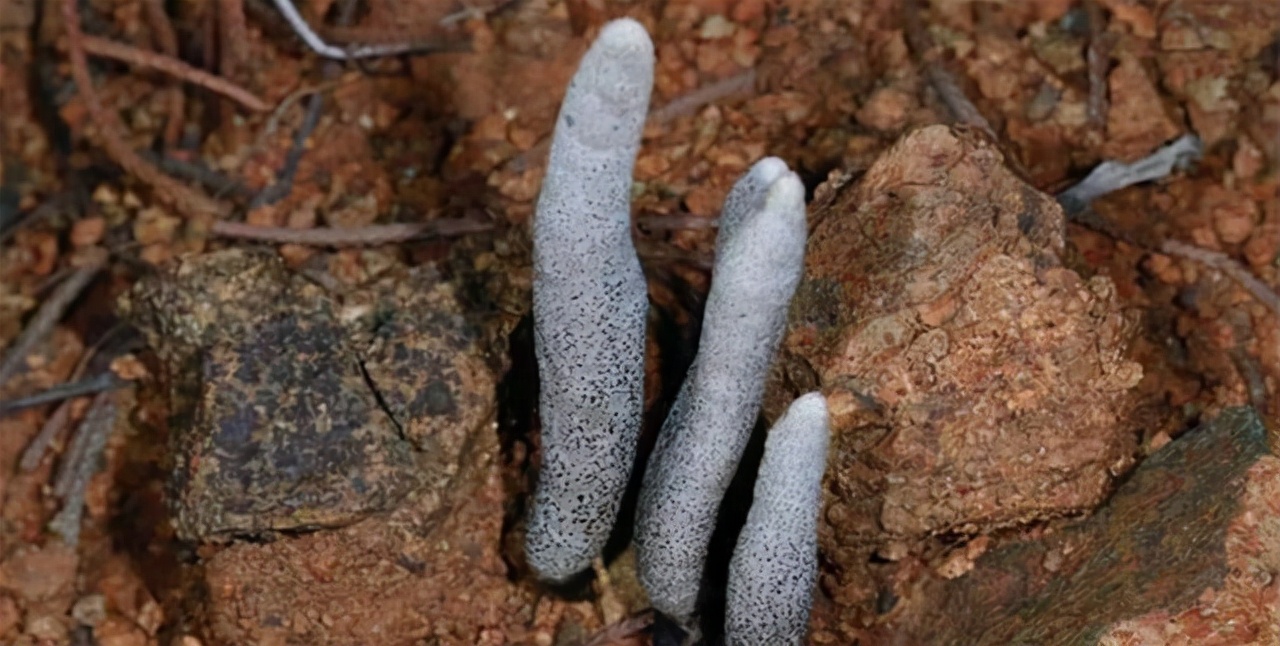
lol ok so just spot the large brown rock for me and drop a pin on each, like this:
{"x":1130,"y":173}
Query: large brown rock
{"x":1185,"y":552}
{"x":974,"y":382}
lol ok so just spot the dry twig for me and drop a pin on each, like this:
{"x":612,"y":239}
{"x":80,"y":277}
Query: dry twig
{"x":71,"y":393}
{"x":79,"y":463}
{"x":962,"y":109}
{"x":1225,"y":264}
{"x":1111,"y":176}
{"x":475,"y":13}
{"x":101,"y":413}
{"x":371,"y":235}
{"x":277,"y":190}
{"x":283,"y":184}
{"x":233,"y":36}
{"x":69,"y":202}
{"x":175,"y":68}
{"x":1098,"y":57}
{"x":91,"y":386}
{"x":273,"y":121}
{"x":167,"y":42}
{"x":221,"y":184}
{"x":352,"y":52}
{"x":52,"y":428}
{"x":691,"y":102}
{"x":50,"y":312}
{"x":185,"y":199}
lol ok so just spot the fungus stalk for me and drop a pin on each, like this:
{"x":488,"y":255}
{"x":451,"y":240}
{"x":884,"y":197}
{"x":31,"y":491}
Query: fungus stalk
{"x":759,"y":261}
{"x":775,"y":563}
{"x":589,"y":305}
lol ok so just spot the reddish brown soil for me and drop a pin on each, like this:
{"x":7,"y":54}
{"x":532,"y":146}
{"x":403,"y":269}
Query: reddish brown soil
{"x":828,"y":85}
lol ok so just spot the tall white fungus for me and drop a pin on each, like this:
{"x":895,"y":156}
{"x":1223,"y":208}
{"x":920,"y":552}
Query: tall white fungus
{"x":759,"y":260}
{"x":589,"y":304}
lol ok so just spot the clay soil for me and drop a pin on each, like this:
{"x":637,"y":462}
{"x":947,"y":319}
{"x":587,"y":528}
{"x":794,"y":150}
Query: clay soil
{"x":219,"y":127}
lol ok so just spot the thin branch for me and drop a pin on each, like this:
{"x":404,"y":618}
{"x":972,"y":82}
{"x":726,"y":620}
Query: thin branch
{"x":376,"y":234}
{"x":962,"y":109}
{"x":220,"y":184}
{"x":52,"y":428}
{"x":185,"y":199}
{"x":317,"y":44}
{"x":68,"y":202}
{"x":1251,"y":374}
{"x":233,"y":37}
{"x":1224,"y":263}
{"x":79,"y":464}
{"x":283,"y":185}
{"x":693,"y":101}
{"x":101,"y":412}
{"x":167,"y":41}
{"x":1098,"y":56}
{"x":50,"y":312}
{"x":273,"y":121}
{"x":175,"y":68}
{"x":91,"y":386}
{"x":57,"y":422}
{"x":1111,"y":176}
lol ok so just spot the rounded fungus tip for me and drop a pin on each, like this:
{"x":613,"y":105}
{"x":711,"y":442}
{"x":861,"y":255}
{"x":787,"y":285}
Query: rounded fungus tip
{"x":786,"y":195}
{"x":624,"y":37}
{"x":768,"y":170}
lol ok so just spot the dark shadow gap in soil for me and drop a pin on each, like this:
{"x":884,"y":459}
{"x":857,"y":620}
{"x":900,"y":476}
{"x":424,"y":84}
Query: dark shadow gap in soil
{"x":729,"y":521}
{"x":677,"y":346}
{"x":517,"y":394}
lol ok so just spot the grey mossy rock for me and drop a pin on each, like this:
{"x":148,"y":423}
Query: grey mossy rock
{"x":759,"y":260}
{"x":589,"y":305}
{"x":775,"y":564}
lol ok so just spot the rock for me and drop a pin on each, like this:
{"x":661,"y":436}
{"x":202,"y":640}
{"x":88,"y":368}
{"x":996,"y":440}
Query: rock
{"x":350,"y":433}
{"x":294,"y":408}
{"x":974,"y":382}
{"x":1185,"y":552}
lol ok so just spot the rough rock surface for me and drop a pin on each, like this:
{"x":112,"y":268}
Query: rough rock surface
{"x":974,"y":382}
{"x":1185,"y":552}
{"x":367,"y":413}
{"x":295,"y":408}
